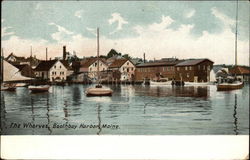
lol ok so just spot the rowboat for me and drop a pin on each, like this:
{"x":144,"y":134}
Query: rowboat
{"x":230,"y":86}
{"x":99,"y":91}
{"x":40,"y":88}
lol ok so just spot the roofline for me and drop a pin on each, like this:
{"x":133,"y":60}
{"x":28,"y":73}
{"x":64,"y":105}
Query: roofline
{"x":205,"y":59}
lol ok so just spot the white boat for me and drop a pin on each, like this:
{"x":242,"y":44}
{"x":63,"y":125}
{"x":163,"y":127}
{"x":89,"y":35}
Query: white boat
{"x":233,"y":82}
{"x":197,"y":83}
{"x":161,"y":82}
{"x":21,"y":84}
{"x":98,"y":90}
{"x":40,"y":88}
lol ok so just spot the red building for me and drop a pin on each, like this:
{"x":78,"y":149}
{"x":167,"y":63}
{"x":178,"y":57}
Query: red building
{"x":194,"y":70}
{"x":156,"y":70}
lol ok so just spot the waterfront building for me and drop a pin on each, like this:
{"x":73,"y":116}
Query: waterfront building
{"x":53,"y":70}
{"x":241,"y":72}
{"x":125,"y":67}
{"x":89,"y":67}
{"x":193,"y":70}
{"x":16,"y":60}
{"x":156,"y":70}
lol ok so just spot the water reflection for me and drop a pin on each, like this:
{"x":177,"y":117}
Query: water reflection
{"x":136,"y":109}
{"x":99,"y":119}
{"x":235,"y":117}
{"x":176,"y":91}
{"x":47,"y":114}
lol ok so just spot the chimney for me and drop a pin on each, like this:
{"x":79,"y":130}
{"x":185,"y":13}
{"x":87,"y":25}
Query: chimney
{"x":144,"y":58}
{"x":64,"y":52}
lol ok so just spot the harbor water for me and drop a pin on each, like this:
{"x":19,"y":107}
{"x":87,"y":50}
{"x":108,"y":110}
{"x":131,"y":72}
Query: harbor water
{"x":132,"y":110}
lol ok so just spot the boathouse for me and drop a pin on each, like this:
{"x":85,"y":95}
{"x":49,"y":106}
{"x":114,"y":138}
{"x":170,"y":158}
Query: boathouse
{"x":193,"y":70}
{"x":156,"y":70}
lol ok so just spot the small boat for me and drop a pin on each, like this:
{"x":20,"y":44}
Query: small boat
{"x":22,"y":85}
{"x":99,"y":91}
{"x":232,"y":83}
{"x":197,"y":83}
{"x":230,"y":86}
{"x":38,"y":89}
{"x":160,"y":82}
{"x":8,"y":87}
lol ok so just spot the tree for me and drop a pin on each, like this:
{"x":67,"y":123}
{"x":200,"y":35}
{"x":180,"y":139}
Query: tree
{"x":112,"y":53}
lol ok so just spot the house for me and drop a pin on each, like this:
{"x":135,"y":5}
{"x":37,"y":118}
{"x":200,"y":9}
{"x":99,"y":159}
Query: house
{"x":89,"y":67}
{"x":241,"y":72}
{"x":125,"y":67}
{"x":193,"y":70}
{"x":15,"y":60}
{"x":25,"y":70}
{"x":156,"y":70}
{"x":52,"y":70}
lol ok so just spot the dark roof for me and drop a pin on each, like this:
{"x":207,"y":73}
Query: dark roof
{"x":45,"y":65}
{"x":66,"y":64}
{"x":89,"y":61}
{"x":20,"y":66}
{"x":239,"y":70}
{"x":18,"y":58}
{"x":192,"y":62}
{"x":118,"y":63}
{"x":159,"y":63}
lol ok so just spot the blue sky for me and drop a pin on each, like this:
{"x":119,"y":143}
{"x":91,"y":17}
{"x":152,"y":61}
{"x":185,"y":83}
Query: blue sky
{"x":181,"y":29}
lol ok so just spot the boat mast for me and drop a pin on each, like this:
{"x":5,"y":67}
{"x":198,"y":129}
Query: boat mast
{"x":236,"y":32}
{"x":98,"y":55}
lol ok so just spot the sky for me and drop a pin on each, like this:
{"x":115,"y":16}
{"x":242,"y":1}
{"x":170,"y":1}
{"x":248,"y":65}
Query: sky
{"x":160,"y":29}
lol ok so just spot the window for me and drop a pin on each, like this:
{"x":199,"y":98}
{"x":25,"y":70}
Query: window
{"x":127,"y":69}
{"x":90,"y":69}
{"x":123,"y":68}
{"x":62,"y":73}
{"x":199,"y":67}
{"x":127,"y":63}
{"x":132,"y":69}
{"x":55,"y":73}
{"x":187,"y":75}
{"x":186,"y":68}
{"x":178,"y":68}
{"x":54,"y":66}
{"x":204,"y":67}
{"x":190,"y":68}
{"x":60,"y":66}
{"x":208,"y":68}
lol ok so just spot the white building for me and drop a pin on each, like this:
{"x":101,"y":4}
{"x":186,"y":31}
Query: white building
{"x":89,"y":66}
{"x":53,"y":70}
{"x":126,"y":68}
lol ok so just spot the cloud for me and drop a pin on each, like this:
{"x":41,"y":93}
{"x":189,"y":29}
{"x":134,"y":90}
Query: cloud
{"x":79,"y":13}
{"x":92,"y":30}
{"x":227,"y":21}
{"x":190,"y":13}
{"x":5,"y":32}
{"x":157,"y":40}
{"x":116,"y":17}
{"x":62,"y":34}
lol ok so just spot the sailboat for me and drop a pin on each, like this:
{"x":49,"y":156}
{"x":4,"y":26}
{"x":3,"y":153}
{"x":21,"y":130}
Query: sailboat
{"x":98,"y":90}
{"x":235,"y":84}
{"x":38,"y":88}
{"x":5,"y":86}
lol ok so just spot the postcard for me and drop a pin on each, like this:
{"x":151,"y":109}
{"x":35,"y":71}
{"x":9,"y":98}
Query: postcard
{"x":109,"y":70}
